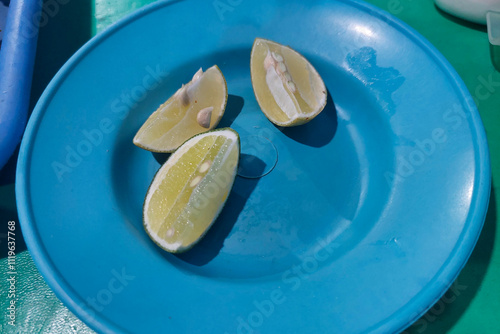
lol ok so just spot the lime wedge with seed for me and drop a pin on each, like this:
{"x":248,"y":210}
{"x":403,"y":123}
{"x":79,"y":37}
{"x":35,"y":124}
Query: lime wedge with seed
{"x":190,"y":189}
{"x":195,"y":108}
{"x":287,"y":87}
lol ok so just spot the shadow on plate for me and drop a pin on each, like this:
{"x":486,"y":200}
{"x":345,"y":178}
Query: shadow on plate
{"x":233,"y":108}
{"x":443,"y":316}
{"x":211,"y":244}
{"x":319,"y":131}
{"x":161,"y":158}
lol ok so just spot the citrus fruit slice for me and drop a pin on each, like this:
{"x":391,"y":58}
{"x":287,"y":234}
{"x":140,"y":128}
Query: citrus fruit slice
{"x":288,"y":88}
{"x":195,"y":108}
{"x":190,"y":189}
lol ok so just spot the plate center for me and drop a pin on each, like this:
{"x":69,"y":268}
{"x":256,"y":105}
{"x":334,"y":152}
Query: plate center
{"x":281,"y":211}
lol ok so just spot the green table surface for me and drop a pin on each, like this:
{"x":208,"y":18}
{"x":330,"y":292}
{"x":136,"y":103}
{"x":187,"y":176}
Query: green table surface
{"x":471,"y":305}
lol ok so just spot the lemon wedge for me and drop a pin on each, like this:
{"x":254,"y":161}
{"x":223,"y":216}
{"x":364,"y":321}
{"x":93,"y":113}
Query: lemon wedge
{"x":195,"y":108}
{"x":190,"y":189}
{"x":287,"y":87}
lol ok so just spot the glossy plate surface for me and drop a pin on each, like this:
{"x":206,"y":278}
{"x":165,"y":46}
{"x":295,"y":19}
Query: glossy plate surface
{"x":355,"y":222}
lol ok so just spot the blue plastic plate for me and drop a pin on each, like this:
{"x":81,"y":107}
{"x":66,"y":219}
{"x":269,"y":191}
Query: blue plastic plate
{"x":368,"y":215}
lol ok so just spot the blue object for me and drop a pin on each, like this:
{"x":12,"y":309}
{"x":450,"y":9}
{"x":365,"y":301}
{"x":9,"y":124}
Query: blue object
{"x":4,"y":9}
{"x":368,"y":216}
{"x":17,"y":56}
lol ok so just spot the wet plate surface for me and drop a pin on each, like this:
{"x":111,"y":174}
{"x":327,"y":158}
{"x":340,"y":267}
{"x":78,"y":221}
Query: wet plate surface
{"x":356,"y":221}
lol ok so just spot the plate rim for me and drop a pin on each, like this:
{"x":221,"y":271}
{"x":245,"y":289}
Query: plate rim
{"x":400,"y":320}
